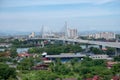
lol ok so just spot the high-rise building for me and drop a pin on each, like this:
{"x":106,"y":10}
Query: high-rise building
{"x":66,"y":30}
{"x":72,"y":33}
{"x":108,"y":35}
{"x":42,"y":32}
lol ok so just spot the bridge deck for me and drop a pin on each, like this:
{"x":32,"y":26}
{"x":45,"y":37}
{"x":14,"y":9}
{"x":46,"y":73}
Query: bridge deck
{"x":109,"y":44}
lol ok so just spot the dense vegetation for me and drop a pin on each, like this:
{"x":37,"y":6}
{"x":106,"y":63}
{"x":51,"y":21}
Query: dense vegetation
{"x":110,"y":51}
{"x":7,"y":73}
{"x":57,"y":49}
{"x":74,"y":69}
{"x":21,"y":44}
{"x":87,"y":68}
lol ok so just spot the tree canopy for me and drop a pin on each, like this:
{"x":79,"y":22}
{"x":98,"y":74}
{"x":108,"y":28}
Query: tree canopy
{"x":6,"y":72}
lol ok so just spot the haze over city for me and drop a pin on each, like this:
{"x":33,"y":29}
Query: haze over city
{"x":85,"y":15}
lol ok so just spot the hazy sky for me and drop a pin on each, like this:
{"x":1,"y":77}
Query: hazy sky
{"x":85,"y":15}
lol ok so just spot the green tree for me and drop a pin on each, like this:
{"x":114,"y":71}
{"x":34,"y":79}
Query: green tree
{"x":116,"y":68}
{"x":96,"y":50}
{"x":26,"y":64}
{"x":110,"y":51}
{"x":74,"y":60}
{"x":85,"y":70}
{"x":117,"y":58}
{"x":13,"y":52}
{"x":99,"y":62}
{"x":87,"y":62}
{"x":6,"y":72}
{"x":40,"y":75}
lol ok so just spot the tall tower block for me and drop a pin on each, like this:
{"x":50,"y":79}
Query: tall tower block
{"x":66,"y":30}
{"x":42,"y":31}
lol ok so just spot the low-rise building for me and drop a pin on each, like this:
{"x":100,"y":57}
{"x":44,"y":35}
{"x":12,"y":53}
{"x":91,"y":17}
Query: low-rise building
{"x":5,"y":44}
{"x":64,"y":57}
{"x":68,"y":56}
{"x":102,"y":56}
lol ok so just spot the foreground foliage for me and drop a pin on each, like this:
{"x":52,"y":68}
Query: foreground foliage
{"x":80,"y":70}
{"x":6,"y":72}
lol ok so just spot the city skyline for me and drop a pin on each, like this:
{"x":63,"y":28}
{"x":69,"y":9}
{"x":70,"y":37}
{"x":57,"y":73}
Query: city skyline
{"x":84,"y":15}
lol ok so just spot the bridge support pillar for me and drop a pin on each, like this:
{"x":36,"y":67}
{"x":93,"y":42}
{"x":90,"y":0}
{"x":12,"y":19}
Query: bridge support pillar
{"x":100,"y":46}
{"x":64,"y":42}
{"x":38,"y":43}
{"x":67,"y":42}
{"x":86,"y":48}
{"x":117,"y":51}
{"x":34,"y":42}
{"x":42,"y":43}
{"x":73,"y":43}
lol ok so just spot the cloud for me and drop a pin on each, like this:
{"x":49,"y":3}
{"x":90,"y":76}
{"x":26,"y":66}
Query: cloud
{"x":22,"y":3}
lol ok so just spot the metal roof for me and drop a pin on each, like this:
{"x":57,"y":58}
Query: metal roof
{"x":65,"y":56}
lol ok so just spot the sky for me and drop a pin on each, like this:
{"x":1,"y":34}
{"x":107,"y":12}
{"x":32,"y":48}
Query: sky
{"x":84,"y":15}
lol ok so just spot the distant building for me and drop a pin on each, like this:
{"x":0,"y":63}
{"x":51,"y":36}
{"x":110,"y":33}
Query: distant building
{"x":5,"y":44}
{"x":68,"y":56}
{"x":72,"y":33}
{"x":64,"y":57}
{"x":32,"y":35}
{"x":105,"y":35}
{"x":48,"y":35}
{"x":102,"y":56}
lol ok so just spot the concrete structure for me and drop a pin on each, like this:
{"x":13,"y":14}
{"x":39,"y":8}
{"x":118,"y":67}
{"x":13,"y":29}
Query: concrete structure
{"x":49,"y":35}
{"x":66,"y":31}
{"x":106,"y":44}
{"x":32,"y":35}
{"x":72,"y":33}
{"x":42,"y":31}
{"x":5,"y":44}
{"x":65,"y":57}
{"x":100,"y":57}
{"x":105,"y":35}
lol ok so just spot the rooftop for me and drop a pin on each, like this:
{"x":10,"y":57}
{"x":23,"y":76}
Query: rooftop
{"x":65,"y":55}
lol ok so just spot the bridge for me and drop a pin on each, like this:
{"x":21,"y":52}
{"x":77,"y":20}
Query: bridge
{"x":107,"y":44}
